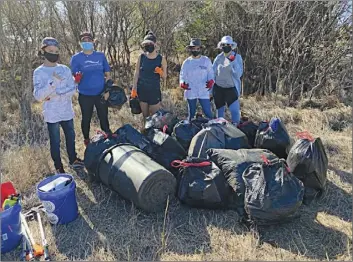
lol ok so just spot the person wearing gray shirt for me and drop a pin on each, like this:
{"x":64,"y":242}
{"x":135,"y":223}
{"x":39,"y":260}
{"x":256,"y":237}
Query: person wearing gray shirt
{"x":228,"y":69}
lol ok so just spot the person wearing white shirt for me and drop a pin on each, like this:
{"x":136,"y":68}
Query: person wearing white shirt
{"x":197,"y":79}
{"x":54,"y":86}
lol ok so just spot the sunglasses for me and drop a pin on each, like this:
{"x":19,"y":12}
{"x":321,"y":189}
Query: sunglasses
{"x":226,"y":45}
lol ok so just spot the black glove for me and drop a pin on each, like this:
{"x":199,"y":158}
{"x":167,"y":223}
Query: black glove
{"x":109,"y":83}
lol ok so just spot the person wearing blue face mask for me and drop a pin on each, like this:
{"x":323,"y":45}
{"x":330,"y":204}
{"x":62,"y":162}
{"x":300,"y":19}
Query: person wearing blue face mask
{"x":92,"y":74}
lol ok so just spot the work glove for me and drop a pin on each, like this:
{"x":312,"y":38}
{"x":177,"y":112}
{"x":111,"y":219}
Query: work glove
{"x":209,"y":84}
{"x":231,"y":58}
{"x":133,"y":93}
{"x":159,"y":71}
{"x":78,"y":77}
{"x":184,"y":86}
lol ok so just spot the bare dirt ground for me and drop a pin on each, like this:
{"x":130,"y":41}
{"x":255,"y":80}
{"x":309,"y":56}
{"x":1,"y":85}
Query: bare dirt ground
{"x":110,"y":228}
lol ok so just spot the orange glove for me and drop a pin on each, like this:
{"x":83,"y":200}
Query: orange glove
{"x":159,"y":71}
{"x":133,"y":93}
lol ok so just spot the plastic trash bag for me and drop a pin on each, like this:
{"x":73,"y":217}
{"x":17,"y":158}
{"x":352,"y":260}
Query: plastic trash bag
{"x":249,"y":128}
{"x":117,"y":97}
{"x":202,"y":184}
{"x":308,"y":161}
{"x":129,"y":135}
{"x":184,"y":131}
{"x":274,"y":137}
{"x":233,"y":163}
{"x":217,"y":135}
{"x":95,"y":148}
{"x":272,"y":195}
{"x":162,"y":120}
{"x":135,"y":106}
{"x":166,"y":149}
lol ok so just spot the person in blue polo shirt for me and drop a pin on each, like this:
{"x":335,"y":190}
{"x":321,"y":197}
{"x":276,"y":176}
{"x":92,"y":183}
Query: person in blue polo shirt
{"x":92,"y":74}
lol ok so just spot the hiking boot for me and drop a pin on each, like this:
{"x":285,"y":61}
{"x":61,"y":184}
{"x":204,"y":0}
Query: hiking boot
{"x":77,"y":164}
{"x":60,"y":171}
{"x":86,"y":142}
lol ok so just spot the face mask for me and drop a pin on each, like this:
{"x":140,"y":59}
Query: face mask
{"x":195,"y":53}
{"x":226,"y":49}
{"x":51,"y":57}
{"x":149,"y":48}
{"x":87,"y":45}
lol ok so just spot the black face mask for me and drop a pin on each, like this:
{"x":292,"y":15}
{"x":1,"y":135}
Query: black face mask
{"x":149,"y":48}
{"x":195,"y":53}
{"x":226,"y":49}
{"x":51,"y":57}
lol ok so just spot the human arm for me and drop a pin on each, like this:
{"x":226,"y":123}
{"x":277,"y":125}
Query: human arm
{"x":237,"y":66}
{"x":70,"y":86}
{"x":42,"y":90}
{"x":106,"y":68}
{"x":164,"y":68}
{"x":136,"y":74}
{"x":183,"y":83}
{"x":210,"y":75}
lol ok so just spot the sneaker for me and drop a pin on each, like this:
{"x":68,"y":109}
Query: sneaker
{"x":77,"y":164}
{"x":86,"y":142}
{"x":60,"y":171}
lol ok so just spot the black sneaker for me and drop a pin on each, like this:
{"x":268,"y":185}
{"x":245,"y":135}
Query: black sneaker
{"x":60,"y":171}
{"x":77,"y":164}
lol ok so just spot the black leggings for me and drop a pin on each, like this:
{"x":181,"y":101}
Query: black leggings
{"x":87,"y":103}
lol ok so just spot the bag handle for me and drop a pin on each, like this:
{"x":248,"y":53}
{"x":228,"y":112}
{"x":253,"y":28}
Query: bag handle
{"x":267,"y":162}
{"x":305,"y":135}
{"x":179,"y":163}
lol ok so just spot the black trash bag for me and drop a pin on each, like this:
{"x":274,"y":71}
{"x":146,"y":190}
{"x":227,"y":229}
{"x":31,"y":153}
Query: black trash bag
{"x":249,"y":128}
{"x":233,"y":163}
{"x":273,"y":194}
{"x":216,"y":135}
{"x":129,"y":135}
{"x":308,"y":161}
{"x":234,"y":138}
{"x":95,"y":148}
{"x":209,"y":137}
{"x":166,"y":149}
{"x":200,"y":122}
{"x":202,"y":184}
{"x":274,"y":137}
{"x":117,"y":97}
{"x":135,"y":106}
{"x":162,"y":120}
{"x":184,"y":131}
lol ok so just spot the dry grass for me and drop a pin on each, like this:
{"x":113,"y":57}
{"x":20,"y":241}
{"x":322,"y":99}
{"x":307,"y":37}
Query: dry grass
{"x":110,"y":228}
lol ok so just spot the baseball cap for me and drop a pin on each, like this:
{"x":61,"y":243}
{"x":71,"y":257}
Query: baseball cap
{"x":49,"y":41}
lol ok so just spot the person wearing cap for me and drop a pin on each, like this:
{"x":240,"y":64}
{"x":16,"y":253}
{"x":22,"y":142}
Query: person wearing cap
{"x":92,"y":75}
{"x":54,"y":86}
{"x":150,"y":68}
{"x":228,"y":69}
{"x":197,"y":79}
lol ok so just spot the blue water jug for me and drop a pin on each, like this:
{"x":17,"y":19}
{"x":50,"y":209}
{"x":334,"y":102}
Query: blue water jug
{"x":60,"y":202}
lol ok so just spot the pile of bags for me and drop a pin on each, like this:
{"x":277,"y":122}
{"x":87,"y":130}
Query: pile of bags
{"x":255,"y":169}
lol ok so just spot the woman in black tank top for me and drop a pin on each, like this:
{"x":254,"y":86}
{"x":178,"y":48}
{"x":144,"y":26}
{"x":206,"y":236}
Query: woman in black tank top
{"x":150,"y":68}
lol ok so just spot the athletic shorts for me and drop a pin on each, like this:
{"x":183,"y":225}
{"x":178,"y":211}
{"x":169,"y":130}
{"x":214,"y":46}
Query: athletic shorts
{"x":149,"y":96}
{"x":224,"y":96}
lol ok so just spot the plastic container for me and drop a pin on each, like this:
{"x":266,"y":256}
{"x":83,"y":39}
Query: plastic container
{"x":60,"y":205}
{"x":135,"y":176}
{"x":11,"y":230}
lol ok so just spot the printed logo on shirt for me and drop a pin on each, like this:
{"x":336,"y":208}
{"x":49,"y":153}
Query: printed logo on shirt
{"x":90,"y":63}
{"x":203,"y":67}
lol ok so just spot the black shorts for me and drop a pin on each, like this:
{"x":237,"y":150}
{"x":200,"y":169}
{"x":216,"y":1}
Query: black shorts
{"x":223,"y":96}
{"x":149,"y":96}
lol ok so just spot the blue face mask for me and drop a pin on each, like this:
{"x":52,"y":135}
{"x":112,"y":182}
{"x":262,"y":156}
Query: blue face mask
{"x":87,"y":45}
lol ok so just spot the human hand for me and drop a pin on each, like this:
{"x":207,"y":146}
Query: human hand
{"x":133,"y":93}
{"x":109,"y":83}
{"x":184,"y":86}
{"x":231,"y":58}
{"x":209,"y":84}
{"x":159,"y":71}
{"x":78,"y":77}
